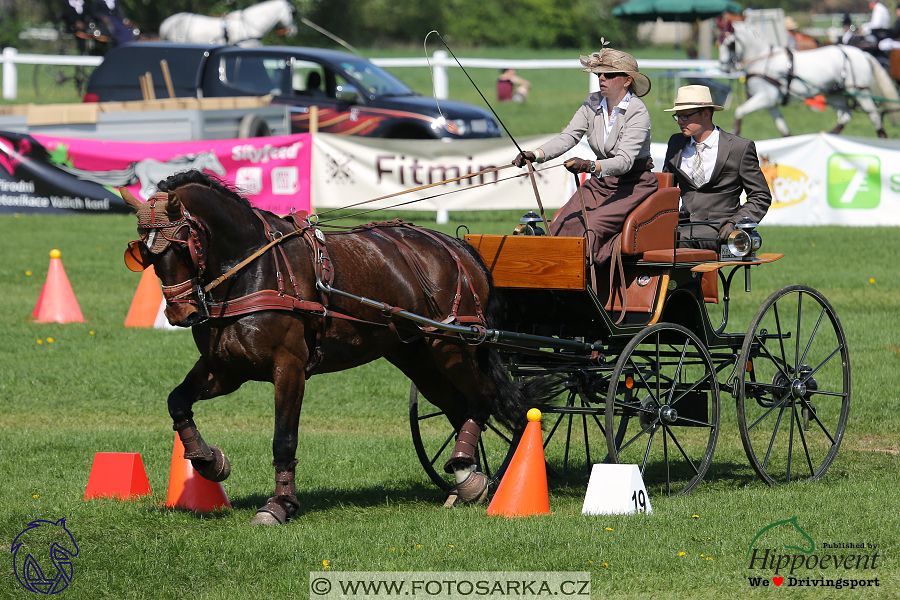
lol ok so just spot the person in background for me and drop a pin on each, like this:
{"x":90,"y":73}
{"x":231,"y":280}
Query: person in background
{"x":512,"y":87}
{"x":712,"y":168}
{"x":879,"y":25}
{"x":118,"y":26}
{"x":617,"y":125}
{"x":75,"y":19}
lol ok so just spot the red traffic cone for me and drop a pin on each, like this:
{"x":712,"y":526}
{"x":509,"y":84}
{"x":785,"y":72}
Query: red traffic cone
{"x":57,"y":303}
{"x":523,"y":490}
{"x":118,"y":475}
{"x":188,"y":489}
{"x":146,"y":301}
{"x":817,"y":103}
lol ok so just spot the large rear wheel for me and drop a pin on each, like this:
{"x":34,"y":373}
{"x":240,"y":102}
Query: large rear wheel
{"x":662,"y":408}
{"x":794,"y":391}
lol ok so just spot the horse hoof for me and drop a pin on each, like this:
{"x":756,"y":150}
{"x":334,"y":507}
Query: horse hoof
{"x":265,"y":516}
{"x":474,"y":489}
{"x":277,"y":511}
{"x":215,"y":470}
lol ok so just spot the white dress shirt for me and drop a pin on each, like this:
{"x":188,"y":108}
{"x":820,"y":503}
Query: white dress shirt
{"x":610,"y":119}
{"x":709,"y":155}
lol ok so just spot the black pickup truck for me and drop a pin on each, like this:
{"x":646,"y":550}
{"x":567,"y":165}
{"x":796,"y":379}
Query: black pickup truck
{"x":353,"y":96}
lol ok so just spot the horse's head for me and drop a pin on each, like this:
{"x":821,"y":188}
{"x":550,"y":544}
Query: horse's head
{"x":728,"y":58}
{"x":172,"y":241}
{"x":287,"y":19}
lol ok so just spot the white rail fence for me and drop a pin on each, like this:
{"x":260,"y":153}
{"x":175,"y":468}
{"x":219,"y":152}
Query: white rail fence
{"x":440,"y":62}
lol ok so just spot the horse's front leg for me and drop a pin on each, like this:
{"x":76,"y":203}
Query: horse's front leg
{"x":209,"y":461}
{"x":290,"y":383}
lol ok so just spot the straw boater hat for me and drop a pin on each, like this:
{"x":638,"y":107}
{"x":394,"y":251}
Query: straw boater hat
{"x":616,"y":61}
{"x":790,"y":24}
{"x":693,"y":96}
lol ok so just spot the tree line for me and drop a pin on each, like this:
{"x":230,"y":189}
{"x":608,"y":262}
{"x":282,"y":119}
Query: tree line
{"x":533,"y":24}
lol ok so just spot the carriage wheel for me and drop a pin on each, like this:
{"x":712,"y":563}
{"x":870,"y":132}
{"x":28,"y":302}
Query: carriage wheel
{"x":662,"y":408}
{"x":433,"y":438}
{"x":794,"y":390}
{"x":572,"y":421}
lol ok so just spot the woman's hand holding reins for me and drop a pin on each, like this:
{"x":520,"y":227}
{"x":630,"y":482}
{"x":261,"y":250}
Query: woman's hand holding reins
{"x":520,"y":159}
{"x":580,"y":165}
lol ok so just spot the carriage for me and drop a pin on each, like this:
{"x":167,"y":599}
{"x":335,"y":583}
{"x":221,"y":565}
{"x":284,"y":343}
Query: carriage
{"x":636,"y":365}
{"x":645,"y":366}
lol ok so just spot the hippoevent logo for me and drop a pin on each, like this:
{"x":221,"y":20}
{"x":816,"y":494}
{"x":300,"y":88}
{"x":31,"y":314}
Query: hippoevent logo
{"x":42,"y":556}
{"x":783,"y":554}
{"x":854,"y":181}
{"x":787,"y":184}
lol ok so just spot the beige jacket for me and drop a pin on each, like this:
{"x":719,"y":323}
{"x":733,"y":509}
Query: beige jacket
{"x":628,"y":141}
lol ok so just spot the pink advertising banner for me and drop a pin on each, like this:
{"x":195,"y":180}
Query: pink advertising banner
{"x":273,"y":173}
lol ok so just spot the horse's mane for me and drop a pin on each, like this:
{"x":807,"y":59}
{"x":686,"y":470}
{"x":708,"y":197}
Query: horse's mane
{"x":177,"y":180}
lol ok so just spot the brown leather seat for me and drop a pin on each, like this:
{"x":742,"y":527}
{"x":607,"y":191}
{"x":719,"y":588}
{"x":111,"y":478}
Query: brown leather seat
{"x":651,"y":226}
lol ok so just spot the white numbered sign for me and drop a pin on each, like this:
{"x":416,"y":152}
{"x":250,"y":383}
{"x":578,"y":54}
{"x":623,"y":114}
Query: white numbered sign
{"x":616,"y":490}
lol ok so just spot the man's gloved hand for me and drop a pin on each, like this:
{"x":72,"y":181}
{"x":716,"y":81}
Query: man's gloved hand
{"x":725,"y":231}
{"x":683,"y":216}
{"x":520,"y":159}
{"x":580,"y":165}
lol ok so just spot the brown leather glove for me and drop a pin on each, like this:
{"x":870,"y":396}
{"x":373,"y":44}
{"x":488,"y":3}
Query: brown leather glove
{"x":520,"y":159}
{"x":580,"y":165}
{"x":725,"y":231}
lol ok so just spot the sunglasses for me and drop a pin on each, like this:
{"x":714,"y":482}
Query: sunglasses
{"x":685,"y":116}
{"x":611,"y":75}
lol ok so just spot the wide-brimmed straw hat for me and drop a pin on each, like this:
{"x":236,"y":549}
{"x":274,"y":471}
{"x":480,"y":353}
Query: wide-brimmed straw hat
{"x":790,"y":24}
{"x":616,"y":61}
{"x":693,"y":96}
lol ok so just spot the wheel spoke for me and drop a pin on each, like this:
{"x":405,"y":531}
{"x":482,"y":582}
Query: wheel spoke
{"x":803,"y":441}
{"x":647,"y":453}
{"x":774,"y":435}
{"x":812,"y":337}
{"x":681,"y":449}
{"x":431,"y":415}
{"x":771,"y":408}
{"x":443,"y":447}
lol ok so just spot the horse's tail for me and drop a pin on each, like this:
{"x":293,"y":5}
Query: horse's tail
{"x":884,"y":88}
{"x":514,"y":398}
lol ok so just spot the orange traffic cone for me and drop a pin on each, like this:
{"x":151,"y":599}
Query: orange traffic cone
{"x":146,"y":301}
{"x":523,"y":490}
{"x":118,"y":475}
{"x":57,"y":303}
{"x":188,"y":489}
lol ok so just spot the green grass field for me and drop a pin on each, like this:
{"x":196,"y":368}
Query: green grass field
{"x":366,"y":502}
{"x":555,"y":95}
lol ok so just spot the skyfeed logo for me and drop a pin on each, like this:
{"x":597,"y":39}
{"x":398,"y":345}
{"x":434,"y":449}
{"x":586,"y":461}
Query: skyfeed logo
{"x":782,"y":554}
{"x":854,"y":181}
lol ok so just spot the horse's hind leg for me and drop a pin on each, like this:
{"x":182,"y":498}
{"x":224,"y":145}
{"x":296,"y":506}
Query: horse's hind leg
{"x":467,"y":419}
{"x":780,"y":124}
{"x":209,"y":461}
{"x":868,"y":105}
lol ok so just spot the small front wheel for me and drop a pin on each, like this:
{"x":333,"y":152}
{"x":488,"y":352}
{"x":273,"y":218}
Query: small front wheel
{"x":794,"y":390}
{"x":662,"y":408}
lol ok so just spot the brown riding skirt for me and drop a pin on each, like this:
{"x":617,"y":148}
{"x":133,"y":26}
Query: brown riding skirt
{"x":607,"y":201}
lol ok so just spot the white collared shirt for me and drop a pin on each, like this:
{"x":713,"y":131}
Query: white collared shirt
{"x":610,"y":119}
{"x":710,"y":153}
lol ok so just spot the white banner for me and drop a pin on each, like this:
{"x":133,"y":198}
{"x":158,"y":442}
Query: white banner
{"x":816,"y":179}
{"x":349,"y":170}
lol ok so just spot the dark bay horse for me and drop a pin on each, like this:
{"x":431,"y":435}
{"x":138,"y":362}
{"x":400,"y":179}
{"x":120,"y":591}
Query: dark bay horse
{"x":250,"y":285}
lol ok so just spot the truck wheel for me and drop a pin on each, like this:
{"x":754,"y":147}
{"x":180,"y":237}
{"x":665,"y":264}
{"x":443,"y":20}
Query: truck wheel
{"x":253,"y":126}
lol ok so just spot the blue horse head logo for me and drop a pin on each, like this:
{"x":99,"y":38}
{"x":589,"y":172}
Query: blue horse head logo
{"x":53,"y":544}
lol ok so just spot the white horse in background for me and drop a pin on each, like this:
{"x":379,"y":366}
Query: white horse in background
{"x":774,"y":74}
{"x":241,"y":27}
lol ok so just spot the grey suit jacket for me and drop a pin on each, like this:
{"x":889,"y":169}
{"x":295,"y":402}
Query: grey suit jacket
{"x":719,"y":199}
{"x":628,"y":141}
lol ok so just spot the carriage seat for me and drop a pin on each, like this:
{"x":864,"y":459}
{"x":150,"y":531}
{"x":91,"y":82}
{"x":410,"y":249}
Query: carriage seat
{"x":651,"y":226}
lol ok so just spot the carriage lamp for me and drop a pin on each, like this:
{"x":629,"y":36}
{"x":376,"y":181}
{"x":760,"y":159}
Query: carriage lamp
{"x":530,"y":225}
{"x":743,"y":242}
